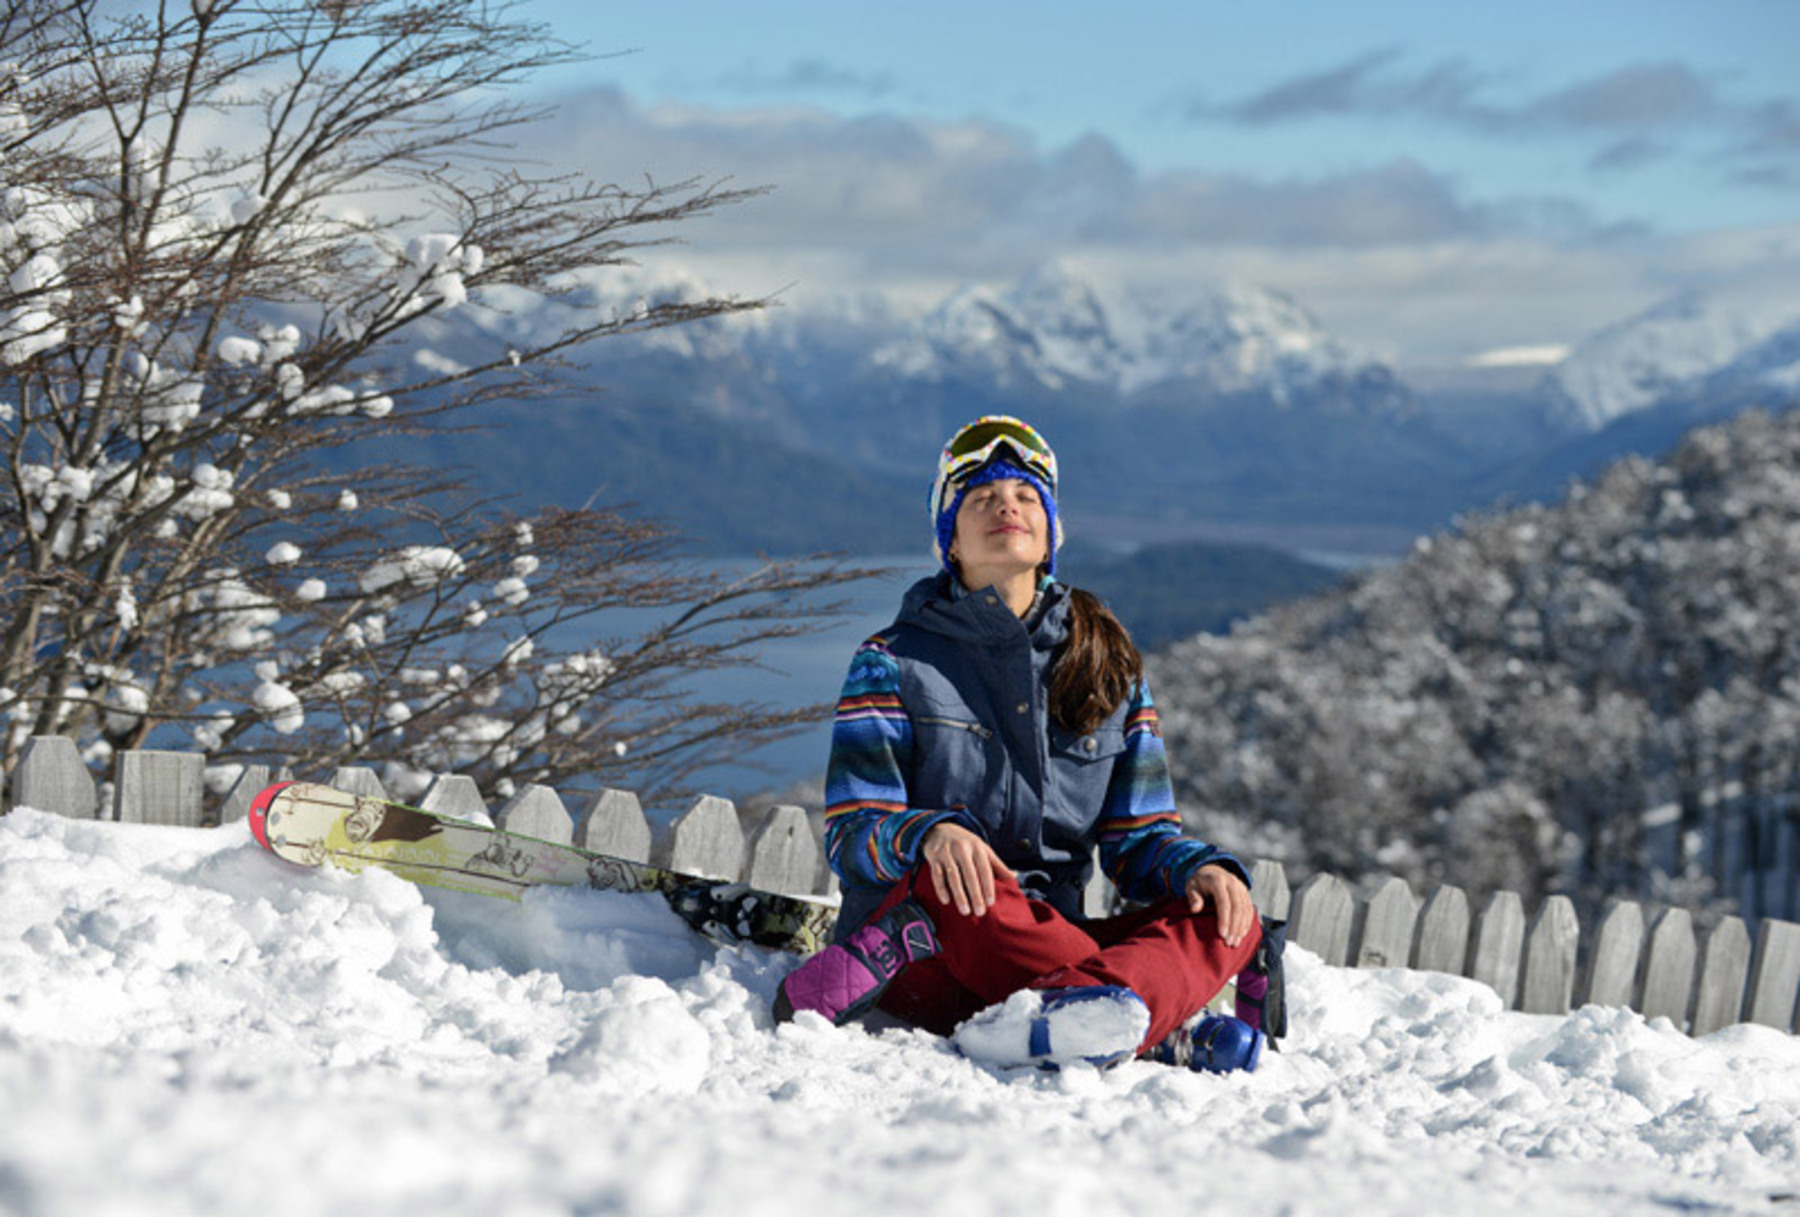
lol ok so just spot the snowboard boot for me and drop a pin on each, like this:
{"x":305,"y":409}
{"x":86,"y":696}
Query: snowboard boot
{"x":847,"y":978}
{"x":1099,"y":1025}
{"x":1217,"y":1043}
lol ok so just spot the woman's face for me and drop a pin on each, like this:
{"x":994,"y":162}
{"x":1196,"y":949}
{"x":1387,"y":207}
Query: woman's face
{"x":1001,"y":524}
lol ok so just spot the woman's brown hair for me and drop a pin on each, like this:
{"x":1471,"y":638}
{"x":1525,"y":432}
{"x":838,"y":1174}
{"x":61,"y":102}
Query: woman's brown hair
{"x":1098,"y":669}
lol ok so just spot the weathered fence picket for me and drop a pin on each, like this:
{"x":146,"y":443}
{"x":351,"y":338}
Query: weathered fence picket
{"x":1269,"y":888}
{"x":1664,"y":972}
{"x":51,"y":776}
{"x":1774,"y":975}
{"x":358,"y":780}
{"x":537,"y":811}
{"x":1324,"y":913}
{"x":1724,"y":969}
{"x":1666,"y":986}
{"x":1385,"y":927}
{"x":1548,"y":985}
{"x":1612,"y":972}
{"x":1441,"y":942}
{"x":1499,"y":939}
{"x":159,"y":788}
{"x":707,"y":840}
{"x":457,"y":795}
{"x":613,"y":823}
{"x":783,"y":851}
{"x":236,"y":803}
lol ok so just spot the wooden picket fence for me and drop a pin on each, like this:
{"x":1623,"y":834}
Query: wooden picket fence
{"x":1659,"y":967}
{"x":782,"y":853}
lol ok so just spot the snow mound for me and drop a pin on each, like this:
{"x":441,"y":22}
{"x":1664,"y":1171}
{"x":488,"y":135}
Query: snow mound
{"x":189,"y":1025}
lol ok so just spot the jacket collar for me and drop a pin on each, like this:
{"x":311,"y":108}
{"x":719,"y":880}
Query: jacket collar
{"x":941,"y":605}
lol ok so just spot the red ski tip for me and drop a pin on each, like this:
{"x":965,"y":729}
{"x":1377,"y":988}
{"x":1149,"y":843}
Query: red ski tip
{"x":258,"y":814}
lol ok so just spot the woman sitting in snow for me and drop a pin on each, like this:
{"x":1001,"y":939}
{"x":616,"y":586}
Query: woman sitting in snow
{"x":984,"y":744}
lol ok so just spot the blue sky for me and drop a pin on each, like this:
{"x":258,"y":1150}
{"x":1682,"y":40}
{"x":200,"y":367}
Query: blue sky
{"x":1474,"y":175}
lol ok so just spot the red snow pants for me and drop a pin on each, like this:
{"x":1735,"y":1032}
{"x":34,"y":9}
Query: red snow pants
{"x":1173,"y":959}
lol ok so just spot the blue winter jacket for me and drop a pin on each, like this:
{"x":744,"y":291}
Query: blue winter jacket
{"x":945,"y":716}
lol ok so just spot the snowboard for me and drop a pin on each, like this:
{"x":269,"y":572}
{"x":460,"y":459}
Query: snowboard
{"x":312,"y":825}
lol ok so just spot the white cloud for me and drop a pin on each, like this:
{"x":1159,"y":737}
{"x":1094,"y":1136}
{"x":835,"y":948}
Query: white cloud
{"x":1394,"y":257}
{"x":1541,"y":356}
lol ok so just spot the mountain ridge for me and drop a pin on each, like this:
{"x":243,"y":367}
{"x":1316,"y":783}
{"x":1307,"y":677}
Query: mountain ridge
{"x":1227,"y":405}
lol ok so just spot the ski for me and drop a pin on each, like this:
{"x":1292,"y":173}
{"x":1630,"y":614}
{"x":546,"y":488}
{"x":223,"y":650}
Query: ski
{"x":313,"y":825}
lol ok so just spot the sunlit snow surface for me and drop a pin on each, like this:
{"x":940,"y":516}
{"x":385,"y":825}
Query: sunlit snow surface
{"x":189,"y":1026}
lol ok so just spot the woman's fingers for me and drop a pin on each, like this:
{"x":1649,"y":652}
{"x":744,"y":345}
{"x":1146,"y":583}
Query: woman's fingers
{"x":940,"y":885}
{"x":1234,"y":900}
{"x":1196,"y":898}
{"x":1242,"y":912}
{"x":961,"y":889}
{"x":953,"y":877}
{"x":1230,"y":900}
{"x":965,"y":870}
{"x":988,"y":869}
{"x":984,"y":869}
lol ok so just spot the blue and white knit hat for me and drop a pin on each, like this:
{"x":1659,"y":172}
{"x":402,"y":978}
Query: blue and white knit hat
{"x":989,"y":449}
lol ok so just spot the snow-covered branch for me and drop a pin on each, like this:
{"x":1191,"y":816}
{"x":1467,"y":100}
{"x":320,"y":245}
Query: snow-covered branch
{"x":225,"y":232}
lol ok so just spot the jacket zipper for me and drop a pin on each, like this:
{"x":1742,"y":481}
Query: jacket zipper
{"x":972,"y":728}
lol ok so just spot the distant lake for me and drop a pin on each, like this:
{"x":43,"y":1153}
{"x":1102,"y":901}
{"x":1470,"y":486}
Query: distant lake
{"x":804,"y":670}
{"x":793,"y":672}
{"x":810,"y":669}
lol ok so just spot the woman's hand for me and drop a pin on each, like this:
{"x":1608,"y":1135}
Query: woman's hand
{"x":963,"y":868}
{"x":1229,"y":898}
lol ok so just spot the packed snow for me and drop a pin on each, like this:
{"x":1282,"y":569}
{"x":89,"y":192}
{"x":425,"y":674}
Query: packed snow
{"x":188,"y":1025}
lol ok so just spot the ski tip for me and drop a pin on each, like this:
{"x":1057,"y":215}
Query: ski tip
{"x":258,"y":814}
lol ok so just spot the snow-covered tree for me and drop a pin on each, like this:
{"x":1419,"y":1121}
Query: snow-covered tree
{"x":1598,"y":697}
{"x":224,"y":226}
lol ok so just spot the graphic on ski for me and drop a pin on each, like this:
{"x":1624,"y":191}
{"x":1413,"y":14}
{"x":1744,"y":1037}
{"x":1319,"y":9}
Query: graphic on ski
{"x":312,"y":825}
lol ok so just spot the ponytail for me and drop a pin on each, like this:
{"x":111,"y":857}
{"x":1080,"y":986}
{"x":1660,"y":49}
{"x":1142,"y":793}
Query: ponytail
{"x":1098,"y":669}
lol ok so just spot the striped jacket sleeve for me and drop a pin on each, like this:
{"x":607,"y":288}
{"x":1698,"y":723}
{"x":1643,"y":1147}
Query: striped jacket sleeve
{"x":1142,"y":849}
{"x":872,"y":833}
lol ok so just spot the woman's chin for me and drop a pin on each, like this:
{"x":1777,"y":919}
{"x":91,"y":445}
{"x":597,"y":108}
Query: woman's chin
{"x":995,"y":572}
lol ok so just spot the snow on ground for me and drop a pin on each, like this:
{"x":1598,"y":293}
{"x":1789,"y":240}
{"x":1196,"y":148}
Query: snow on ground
{"x":189,"y":1026}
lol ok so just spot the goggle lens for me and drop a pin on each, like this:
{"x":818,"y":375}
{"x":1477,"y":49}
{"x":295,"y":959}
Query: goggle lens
{"x":979,"y":436}
{"x":976,"y":444}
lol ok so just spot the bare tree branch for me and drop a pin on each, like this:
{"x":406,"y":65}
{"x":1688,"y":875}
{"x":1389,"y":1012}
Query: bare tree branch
{"x":225,"y":228}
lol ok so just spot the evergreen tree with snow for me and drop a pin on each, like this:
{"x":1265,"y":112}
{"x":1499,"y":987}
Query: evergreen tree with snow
{"x":1598,"y":697}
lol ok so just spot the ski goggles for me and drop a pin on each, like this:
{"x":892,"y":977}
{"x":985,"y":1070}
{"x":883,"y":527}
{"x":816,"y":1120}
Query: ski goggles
{"x":981,"y":441}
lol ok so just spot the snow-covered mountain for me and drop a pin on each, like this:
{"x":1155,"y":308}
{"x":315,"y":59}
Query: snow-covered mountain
{"x":1670,"y":351}
{"x":1050,"y":330}
{"x":1055,"y":331}
{"x":1770,"y":369}
{"x":1258,"y":413}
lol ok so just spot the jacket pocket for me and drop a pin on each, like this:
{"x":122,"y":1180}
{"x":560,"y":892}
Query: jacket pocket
{"x":980,"y":730}
{"x":1081,"y":769}
{"x":1100,"y":744}
{"x":958,"y":759}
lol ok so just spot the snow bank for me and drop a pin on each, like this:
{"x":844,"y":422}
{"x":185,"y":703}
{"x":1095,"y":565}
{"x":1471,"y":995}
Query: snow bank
{"x":188,"y":1025}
